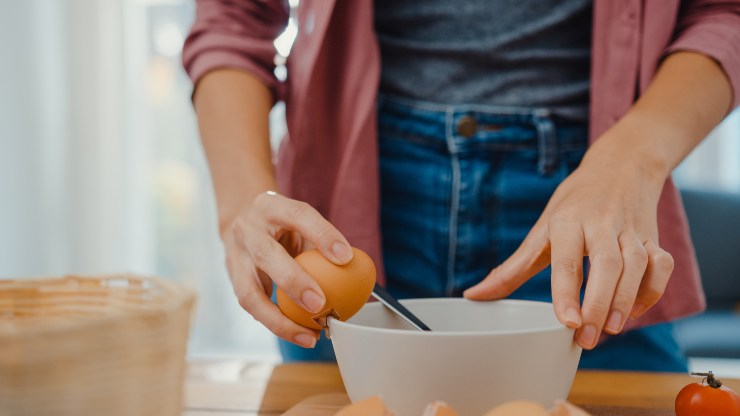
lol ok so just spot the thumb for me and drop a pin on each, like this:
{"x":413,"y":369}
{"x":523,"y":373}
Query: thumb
{"x":532,"y":256}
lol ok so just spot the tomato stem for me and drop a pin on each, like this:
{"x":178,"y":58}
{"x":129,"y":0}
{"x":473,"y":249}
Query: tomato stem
{"x":709,"y":377}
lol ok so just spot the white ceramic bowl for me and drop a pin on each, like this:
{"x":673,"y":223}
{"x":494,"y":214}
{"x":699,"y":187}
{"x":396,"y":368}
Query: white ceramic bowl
{"x":478,"y":355}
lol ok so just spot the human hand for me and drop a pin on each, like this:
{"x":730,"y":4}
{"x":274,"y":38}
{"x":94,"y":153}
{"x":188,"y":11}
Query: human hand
{"x":260,"y":246}
{"x":606,"y":210}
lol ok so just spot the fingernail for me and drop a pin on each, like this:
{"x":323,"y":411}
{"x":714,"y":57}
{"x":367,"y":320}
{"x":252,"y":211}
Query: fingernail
{"x":305,"y":340}
{"x":572,"y":318}
{"x":587,"y":337}
{"x":341,"y":252}
{"x":614,"y":323}
{"x":312,"y":301}
{"x":637,"y":310}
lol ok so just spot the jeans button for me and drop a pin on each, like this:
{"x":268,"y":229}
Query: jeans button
{"x":466,"y":126}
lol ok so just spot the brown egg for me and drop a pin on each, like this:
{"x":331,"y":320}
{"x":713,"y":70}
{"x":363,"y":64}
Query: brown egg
{"x":372,"y":406}
{"x":439,"y":408}
{"x":518,"y":408}
{"x":346,"y":287}
{"x":563,"y":408}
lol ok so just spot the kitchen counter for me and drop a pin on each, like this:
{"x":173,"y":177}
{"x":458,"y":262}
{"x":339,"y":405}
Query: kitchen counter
{"x":241,"y":388}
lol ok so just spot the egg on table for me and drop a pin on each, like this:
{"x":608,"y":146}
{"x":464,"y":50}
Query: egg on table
{"x":372,"y":406}
{"x":564,"y":408}
{"x":346,"y":287}
{"x":518,"y":408}
{"x":439,"y":408}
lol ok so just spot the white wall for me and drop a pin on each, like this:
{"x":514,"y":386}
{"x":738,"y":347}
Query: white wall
{"x":715,"y":163}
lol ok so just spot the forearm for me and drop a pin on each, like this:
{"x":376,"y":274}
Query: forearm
{"x":688,"y":97}
{"x":261,"y":233}
{"x":233,"y":115}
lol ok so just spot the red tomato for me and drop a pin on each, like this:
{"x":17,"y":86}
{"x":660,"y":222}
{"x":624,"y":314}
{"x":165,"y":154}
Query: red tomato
{"x":712,"y":399}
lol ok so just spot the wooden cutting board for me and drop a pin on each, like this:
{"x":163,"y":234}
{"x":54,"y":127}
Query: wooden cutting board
{"x":329,"y":404}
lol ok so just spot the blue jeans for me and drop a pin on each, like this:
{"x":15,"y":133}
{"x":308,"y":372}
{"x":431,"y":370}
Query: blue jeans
{"x":461,"y":186}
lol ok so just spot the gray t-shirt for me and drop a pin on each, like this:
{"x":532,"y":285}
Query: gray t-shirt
{"x":502,"y":52}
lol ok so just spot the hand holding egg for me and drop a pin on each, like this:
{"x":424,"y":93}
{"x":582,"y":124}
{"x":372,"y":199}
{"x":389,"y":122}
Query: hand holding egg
{"x":346,"y":287}
{"x":261,"y":241}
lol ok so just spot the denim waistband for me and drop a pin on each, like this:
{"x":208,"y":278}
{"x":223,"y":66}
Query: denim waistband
{"x":461,"y":129}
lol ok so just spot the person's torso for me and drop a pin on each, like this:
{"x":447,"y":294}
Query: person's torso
{"x":512,"y":52}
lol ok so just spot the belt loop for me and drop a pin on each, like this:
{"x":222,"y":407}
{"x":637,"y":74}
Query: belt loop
{"x":546,"y":142}
{"x":450,"y":130}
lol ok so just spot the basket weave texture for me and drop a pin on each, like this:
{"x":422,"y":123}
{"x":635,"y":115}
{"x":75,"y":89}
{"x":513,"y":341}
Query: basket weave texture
{"x":112,"y":345}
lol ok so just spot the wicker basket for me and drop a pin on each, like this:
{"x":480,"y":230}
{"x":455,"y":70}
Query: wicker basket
{"x":111,"y":345}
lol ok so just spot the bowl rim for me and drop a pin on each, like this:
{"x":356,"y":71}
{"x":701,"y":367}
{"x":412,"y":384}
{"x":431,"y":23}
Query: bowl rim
{"x":556,"y":327}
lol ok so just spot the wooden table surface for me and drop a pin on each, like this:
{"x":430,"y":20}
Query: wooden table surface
{"x":238,"y":388}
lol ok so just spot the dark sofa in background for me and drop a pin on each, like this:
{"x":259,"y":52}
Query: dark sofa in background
{"x":714,"y":219}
